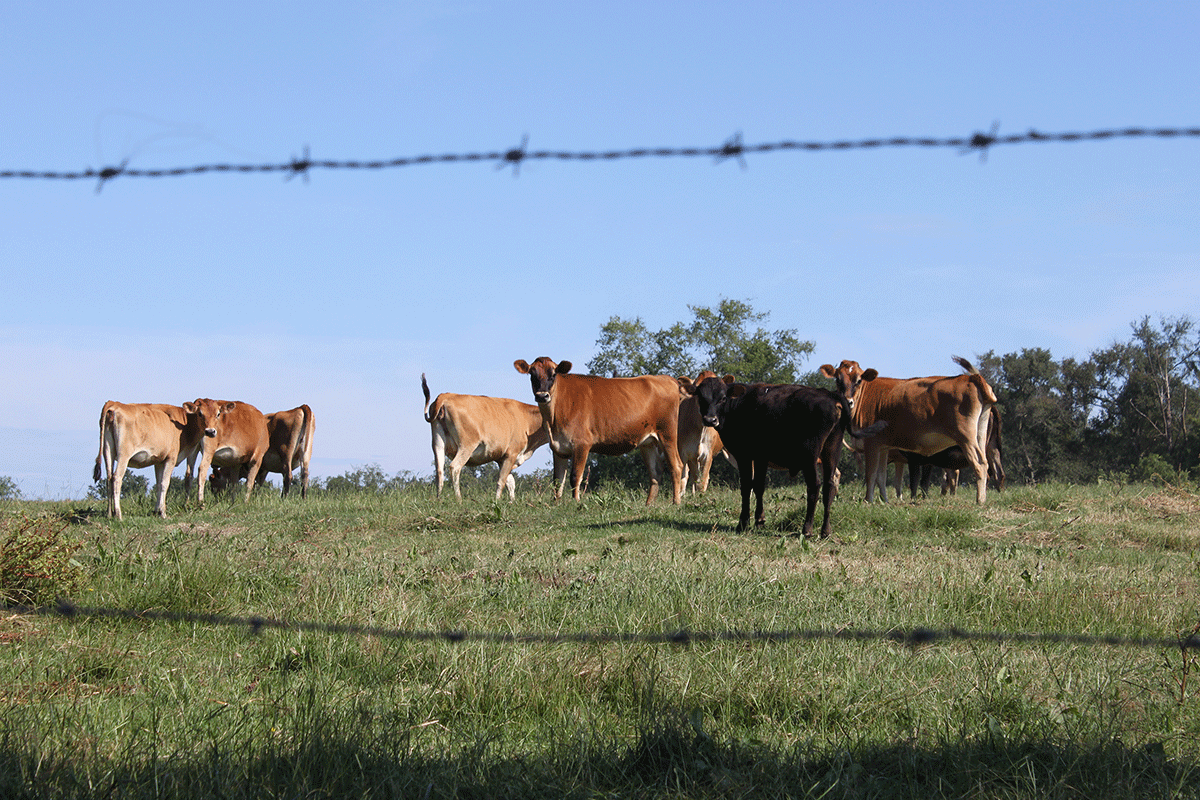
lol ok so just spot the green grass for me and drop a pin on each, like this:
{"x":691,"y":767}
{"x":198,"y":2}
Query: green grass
{"x":142,"y":707}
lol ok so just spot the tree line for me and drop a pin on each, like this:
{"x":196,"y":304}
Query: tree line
{"x":1128,"y":411}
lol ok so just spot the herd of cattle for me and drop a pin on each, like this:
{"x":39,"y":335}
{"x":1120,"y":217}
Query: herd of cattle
{"x":949,"y":422}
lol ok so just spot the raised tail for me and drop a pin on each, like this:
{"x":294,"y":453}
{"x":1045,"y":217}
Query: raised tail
{"x":425,"y":389}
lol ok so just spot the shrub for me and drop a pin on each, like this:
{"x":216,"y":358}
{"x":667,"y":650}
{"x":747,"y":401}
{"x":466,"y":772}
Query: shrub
{"x":36,"y":564}
{"x":9,"y":489}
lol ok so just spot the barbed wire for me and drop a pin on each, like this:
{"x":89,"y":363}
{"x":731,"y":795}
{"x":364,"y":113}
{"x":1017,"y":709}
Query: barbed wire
{"x":913,"y":637}
{"x":732,"y":148}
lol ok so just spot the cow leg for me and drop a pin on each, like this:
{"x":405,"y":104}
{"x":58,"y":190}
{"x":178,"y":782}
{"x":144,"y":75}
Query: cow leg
{"x":812,"y":493}
{"x":287,"y":481}
{"x":745,"y":484}
{"x":162,"y":474}
{"x":579,"y":459}
{"x":652,"y":456}
{"x":760,"y":485}
{"x":439,"y":459}
{"x":871,"y":459}
{"x":460,"y":460}
{"x":114,"y":488}
{"x":506,"y":479}
{"x":949,"y":481}
{"x":706,"y":461}
{"x":251,"y":476}
{"x":560,"y":474}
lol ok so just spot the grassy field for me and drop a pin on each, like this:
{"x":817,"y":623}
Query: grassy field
{"x":141,"y":706}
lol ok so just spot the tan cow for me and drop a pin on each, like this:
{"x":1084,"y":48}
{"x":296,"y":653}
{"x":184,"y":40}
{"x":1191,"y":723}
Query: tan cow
{"x":137,"y":435}
{"x":609,"y":416}
{"x":698,"y":443}
{"x":235,"y":434}
{"x":473,"y":430}
{"x":924,"y":416}
{"x":291,"y":438}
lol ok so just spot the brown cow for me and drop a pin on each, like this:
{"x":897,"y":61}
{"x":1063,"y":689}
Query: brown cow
{"x":610,"y":416}
{"x":924,"y":415}
{"x":995,"y":450}
{"x":291,"y":437}
{"x":137,"y":435}
{"x":235,"y":434}
{"x":698,"y":443}
{"x":474,"y":430}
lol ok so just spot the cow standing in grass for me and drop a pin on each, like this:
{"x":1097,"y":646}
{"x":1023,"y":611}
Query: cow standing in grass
{"x":797,"y":428}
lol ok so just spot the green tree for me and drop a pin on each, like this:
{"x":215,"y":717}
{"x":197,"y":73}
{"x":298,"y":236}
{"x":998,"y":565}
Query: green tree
{"x":727,"y":338}
{"x":1148,"y":394}
{"x":9,"y":489}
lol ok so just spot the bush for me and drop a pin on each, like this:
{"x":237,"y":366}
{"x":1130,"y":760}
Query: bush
{"x":36,"y":564}
{"x":9,"y":489}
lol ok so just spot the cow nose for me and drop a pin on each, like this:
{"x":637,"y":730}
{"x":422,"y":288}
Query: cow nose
{"x":711,"y":421}
{"x":541,"y":397}
{"x":210,"y":431}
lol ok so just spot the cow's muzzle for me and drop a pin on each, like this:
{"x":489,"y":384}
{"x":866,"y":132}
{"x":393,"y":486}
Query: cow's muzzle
{"x":211,"y":432}
{"x":712,"y":422}
{"x":541,"y":397}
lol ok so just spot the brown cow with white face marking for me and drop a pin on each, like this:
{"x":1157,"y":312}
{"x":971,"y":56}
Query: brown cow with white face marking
{"x":235,"y":434}
{"x":474,"y":430}
{"x":924,"y":416}
{"x":698,"y":443}
{"x":609,"y":416}
{"x":136,"y":435}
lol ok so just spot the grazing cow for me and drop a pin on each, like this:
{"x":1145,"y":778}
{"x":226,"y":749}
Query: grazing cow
{"x":474,"y":430}
{"x":139,"y":435}
{"x":924,"y":415}
{"x":698,"y":443}
{"x":291,"y":436}
{"x":797,"y":428}
{"x":235,"y":434}
{"x":610,"y":416}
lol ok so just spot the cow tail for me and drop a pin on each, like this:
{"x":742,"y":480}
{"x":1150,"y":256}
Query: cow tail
{"x":425,"y":389}
{"x":981,"y":384}
{"x":107,"y":426}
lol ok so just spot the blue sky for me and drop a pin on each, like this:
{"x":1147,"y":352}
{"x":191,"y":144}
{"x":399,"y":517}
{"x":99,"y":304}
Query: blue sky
{"x":341,"y":290}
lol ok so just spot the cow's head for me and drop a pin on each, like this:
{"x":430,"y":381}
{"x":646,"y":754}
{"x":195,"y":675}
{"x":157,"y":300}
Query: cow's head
{"x":542,"y":373}
{"x":209,"y":413}
{"x":849,"y":376}
{"x":712,"y":394}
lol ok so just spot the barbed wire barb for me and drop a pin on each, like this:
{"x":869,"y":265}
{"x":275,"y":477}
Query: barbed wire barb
{"x":300,"y":166}
{"x":733,"y":148}
{"x":108,"y":173}
{"x":515,"y":156}
{"x":981,"y":142}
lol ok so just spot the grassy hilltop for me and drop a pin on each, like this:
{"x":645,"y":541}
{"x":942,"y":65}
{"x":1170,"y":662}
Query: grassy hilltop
{"x":144,"y":706}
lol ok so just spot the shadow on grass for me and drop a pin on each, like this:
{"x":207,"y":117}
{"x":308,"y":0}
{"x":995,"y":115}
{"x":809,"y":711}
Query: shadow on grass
{"x":669,"y":757}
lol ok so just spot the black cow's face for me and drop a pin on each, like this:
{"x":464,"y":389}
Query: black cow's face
{"x":710,"y":396}
{"x":542,"y":374}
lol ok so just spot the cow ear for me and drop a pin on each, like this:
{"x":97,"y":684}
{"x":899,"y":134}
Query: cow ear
{"x":563,"y":367}
{"x":229,"y":406}
{"x":190,"y":408}
{"x":728,"y":379}
{"x":685,"y":383}
{"x":736,"y":390}
{"x":522,"y":366}
{"x":828,"y":371}
{"x":871,"y":374}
